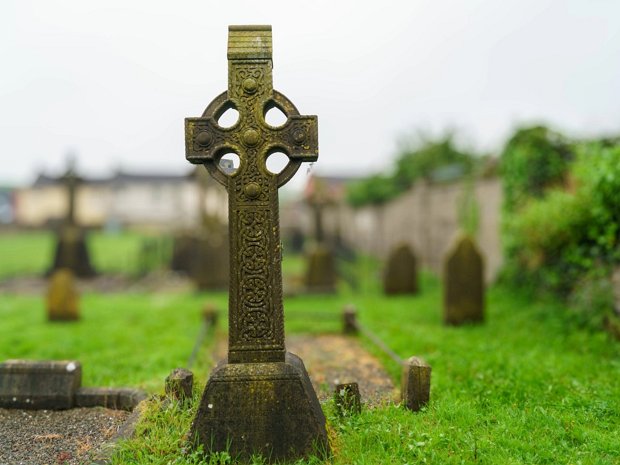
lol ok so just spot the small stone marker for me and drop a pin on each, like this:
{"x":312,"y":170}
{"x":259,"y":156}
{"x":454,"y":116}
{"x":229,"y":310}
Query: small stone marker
{"x":179,"y":384}
{"x":349,"y":317}
{"x":259,"y":401}
{"x":401,"y":274}
{"x":347,"y":399}
{"x":62,"y":297}
{"x":33,"y":385}
{"x":415,"y":383}
{"x":463,"y":284}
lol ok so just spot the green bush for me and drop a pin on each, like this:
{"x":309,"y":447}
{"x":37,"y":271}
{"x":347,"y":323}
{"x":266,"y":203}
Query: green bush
{"x":566,"y":240}
{"x":416,"y":160}
{"x":533,"y":160}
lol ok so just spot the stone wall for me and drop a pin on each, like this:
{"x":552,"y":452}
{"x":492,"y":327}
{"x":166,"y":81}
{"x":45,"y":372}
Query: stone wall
{"x":425,"y":217}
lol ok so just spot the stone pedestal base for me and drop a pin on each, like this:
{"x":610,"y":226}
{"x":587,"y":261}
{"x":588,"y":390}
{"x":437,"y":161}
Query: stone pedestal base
{"x":72,"y":252}
{"x":261,"y":408}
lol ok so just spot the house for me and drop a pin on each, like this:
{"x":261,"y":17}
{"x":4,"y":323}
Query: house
{"x":128,"y":200}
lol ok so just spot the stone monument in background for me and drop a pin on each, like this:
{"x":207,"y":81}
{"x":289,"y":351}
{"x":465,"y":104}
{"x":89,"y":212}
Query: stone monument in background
{"x":321,"y":264}
{"x":401,"y":272}
{"x":71,"y":247}
{"x":260,"y":400}
{"x":463,"y":283}
{"x":203,"y":253}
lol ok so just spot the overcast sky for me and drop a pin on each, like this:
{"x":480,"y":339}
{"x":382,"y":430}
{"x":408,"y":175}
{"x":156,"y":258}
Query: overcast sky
{"x":113,"y":80}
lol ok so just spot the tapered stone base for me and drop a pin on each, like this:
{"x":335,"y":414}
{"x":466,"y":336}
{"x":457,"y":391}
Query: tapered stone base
{"x":261,"y":408}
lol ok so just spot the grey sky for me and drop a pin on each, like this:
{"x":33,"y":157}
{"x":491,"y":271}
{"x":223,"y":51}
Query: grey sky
{"x":113,"y":80}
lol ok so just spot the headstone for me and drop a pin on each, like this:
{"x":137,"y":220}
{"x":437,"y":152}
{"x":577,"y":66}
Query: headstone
{"x":415,"y":383}
{"x":347,"y":399}
{"x":401,"y":273}
{"x":62,"y":297}
{"x":321,"y":266}
{"x":71,"y":247}
{"x":260,"y":400}
{"x":463,"y":283}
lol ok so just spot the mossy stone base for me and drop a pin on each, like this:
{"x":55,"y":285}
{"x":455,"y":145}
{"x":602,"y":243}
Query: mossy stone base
{"x":261,"y":408}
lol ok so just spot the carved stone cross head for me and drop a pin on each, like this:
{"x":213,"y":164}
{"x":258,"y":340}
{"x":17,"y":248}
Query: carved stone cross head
{"x":256,"y":321}
{"x":250,"y":92}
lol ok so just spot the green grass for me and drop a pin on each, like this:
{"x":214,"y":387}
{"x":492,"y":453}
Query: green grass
{"x":525,"y":387}
{"x":30,"y":253}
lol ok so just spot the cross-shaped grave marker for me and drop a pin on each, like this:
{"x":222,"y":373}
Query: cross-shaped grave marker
{"x":261,"y":399}
{"x":71,"y":248}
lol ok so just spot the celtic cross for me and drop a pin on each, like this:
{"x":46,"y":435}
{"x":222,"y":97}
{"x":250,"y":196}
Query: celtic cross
{"x":256,"y":317}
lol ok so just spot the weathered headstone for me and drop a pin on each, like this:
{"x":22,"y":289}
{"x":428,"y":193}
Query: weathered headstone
{"x":62,"y":297}
{"x":401,"y":273}
{"x":260,"y":400}
{"x":71,"y":249}
{"x":463,"y":283}
{"x":321,"y":266}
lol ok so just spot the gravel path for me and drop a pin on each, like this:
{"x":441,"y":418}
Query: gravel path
{"x":67,"y":437}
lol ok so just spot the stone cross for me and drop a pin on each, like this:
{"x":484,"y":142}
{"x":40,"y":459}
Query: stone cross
{"x":256,"y":321}
{"x":71,"y":181}
{"x":318,"y":202}
{"x":260,"y":400}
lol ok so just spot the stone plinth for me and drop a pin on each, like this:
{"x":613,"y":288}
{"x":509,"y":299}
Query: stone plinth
{"x":72,"y":253}
{"x":267,"y":408}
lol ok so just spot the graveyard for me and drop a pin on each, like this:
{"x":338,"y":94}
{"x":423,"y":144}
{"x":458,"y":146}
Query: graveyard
{"x":448,"y":306}
{"x":525,"y":387}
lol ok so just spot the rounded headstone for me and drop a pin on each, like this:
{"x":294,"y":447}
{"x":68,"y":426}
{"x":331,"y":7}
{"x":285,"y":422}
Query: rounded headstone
{"x":401,"y":273}
{"x":463,"y":283}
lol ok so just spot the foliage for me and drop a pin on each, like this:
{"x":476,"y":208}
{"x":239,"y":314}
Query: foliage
{"x":567,"y":239}
{"x":533,"y":160}
{"x":468,"y":209}
{"x":416,"y":160}
{"x":374,"y":190}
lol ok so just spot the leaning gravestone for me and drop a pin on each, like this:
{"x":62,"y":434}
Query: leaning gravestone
{"x":62,"y":297}
{"x":71,"y":250}
{"x":401,"y":273}
{"x":260,"y":400}
{"x":463,"y":283}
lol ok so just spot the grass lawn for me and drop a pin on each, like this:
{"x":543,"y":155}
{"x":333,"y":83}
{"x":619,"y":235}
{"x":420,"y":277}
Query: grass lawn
{"x":525,"y":387}
{"x":31,"y":252}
